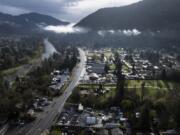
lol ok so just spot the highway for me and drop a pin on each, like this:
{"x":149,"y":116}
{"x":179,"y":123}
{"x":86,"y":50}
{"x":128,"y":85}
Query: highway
{"x":46,"y":119}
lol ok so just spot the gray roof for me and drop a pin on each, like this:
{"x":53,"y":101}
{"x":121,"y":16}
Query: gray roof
{"x":98,"y":68}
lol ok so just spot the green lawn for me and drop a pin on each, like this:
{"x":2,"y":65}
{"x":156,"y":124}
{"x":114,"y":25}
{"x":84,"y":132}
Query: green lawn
{"x":56,"y":131}
{"x":108,"y":54}
{"x":156,"y":84}
{"x":112,"y":67}
{"x":152,"y":83}
{"x":153,"y":89}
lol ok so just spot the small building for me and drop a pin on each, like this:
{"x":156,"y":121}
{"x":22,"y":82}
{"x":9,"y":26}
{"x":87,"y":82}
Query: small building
{"x":98,"y":68}
{"x":91,"y":120}
{"x":111,"y":125}
{"x":55,"y":72}
{"x":93,"y":77}
{"x":80,"y":108}
{"x":30,"y":112}
{"x":170,"y":132}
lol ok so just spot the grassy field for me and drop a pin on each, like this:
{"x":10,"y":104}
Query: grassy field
{"x":108,"y":54}
{"x":156,"y":84}
{"x":152,"y":89}
{"x":112,"y":67}
{"x":56,"y":131}
{"x":159,"y":84}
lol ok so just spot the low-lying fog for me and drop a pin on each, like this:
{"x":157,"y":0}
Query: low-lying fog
{"x":69,"y":29}
{"x":65,"y":29}
{"x":133,"y":32}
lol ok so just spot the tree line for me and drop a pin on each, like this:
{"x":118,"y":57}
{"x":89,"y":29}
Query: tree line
{"x":16,"y":100}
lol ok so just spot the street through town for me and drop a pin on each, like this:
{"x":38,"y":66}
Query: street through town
{"x":47,"y":118}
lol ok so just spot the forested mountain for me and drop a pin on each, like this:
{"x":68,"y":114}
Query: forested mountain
{"x":144,"y":15}
{"x":26,"y":22}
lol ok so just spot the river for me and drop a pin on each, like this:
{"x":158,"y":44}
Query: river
{"x":49,"y":49}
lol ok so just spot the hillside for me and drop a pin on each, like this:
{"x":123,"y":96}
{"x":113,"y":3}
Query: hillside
{"x":144,"y":15}
{"x":26,"y":22}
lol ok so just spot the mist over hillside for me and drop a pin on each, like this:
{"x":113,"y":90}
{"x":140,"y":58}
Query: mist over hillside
{"x":26,"y":23}
{"x":149,"y":23}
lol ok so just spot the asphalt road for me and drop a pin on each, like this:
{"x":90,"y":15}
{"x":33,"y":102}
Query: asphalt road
{"x":46,"y":119}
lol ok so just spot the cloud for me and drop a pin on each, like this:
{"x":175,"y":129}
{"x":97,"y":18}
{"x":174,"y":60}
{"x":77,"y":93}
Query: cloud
{"x":66,"y":29}
{"x":12,"y":10}
{"x":71,"y":10}
{"x":133,"y":32}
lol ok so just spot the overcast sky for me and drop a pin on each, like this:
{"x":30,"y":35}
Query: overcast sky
{"x":69,"y":10}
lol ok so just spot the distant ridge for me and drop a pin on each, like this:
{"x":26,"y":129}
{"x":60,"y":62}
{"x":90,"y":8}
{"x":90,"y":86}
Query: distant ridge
{"x":144,"y":15}
{"x":26,"y":22}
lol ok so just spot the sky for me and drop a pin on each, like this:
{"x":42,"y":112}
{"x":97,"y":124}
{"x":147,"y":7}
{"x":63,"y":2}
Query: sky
{"x":67,"y":10}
